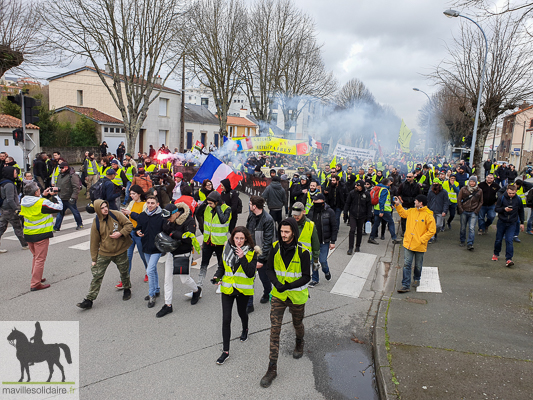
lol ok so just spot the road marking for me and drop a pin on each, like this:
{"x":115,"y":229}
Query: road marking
{"x":354,"y":276}
{"x":429,"y":281}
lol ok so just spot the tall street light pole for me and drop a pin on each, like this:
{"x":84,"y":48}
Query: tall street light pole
{"x":454,"y":14}
{"x":429,"y":119}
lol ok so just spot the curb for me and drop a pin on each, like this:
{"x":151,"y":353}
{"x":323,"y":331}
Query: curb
{"x":384,"y":378}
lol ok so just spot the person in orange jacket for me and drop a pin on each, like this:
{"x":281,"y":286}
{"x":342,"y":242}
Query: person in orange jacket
{"x":420,"y":228}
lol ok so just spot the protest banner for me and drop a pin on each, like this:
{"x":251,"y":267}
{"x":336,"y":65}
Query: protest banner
{"x":353,"y":152}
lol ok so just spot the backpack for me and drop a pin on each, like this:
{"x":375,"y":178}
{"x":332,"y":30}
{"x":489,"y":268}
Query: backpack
{"x":95,"y":192}
{"x":374,"y":195}
{"x":529,"y":198}
{"x":1,"y":185}
{"x":97,"y":220}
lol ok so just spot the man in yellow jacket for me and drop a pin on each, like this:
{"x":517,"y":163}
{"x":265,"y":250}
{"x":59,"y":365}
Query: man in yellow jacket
{"x":420,"y":227}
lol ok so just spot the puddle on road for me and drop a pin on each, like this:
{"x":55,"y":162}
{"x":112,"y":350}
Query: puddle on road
{"x":351,"y":372}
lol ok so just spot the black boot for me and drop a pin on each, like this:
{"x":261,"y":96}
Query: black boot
{"x":244,"y":335}
{"x":350,"y":252}
{"x":270,"y":374}
{"x":85,"y":304}
{"x":298,"y":349}
{"x":196,"y":296}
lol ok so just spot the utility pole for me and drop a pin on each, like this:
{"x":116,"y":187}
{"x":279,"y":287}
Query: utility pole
{"x":23,"y":118}
{"x":182,"y":136}
{"x":522,"y":147}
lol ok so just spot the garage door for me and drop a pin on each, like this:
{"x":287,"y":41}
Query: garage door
{"x":7,"y":144}
{"x":113,"y":142}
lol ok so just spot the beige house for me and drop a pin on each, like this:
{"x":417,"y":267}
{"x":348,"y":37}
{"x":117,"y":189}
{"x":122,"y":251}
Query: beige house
{"x":83,"y":88}
{"x":516,"y":145}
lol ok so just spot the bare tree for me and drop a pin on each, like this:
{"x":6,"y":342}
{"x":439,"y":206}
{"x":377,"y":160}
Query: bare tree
{"x":352,"y":93}
{"x":304,"y":81}
{"x":273,"y":27}
{"x":218,"y":49}
{"x":134,"y":39}
{"x":20,"y":35}
{"x":509,"y":76}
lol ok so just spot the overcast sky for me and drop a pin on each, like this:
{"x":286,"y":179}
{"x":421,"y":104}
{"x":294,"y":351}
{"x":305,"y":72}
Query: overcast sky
{"x":387,"y":44}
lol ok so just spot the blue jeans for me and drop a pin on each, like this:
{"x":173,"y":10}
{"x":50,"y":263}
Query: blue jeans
{"x":323,"y":259}
{"x":418,"y":257}
{"x":504,"y":230}
{"x":517,"y":228}
{"x":490,"y":213}
{"x":338,"y":212}
{"x":136,"y":242}
{"x":151,"y":271}
{"x":387,"y":217}
{"x":451,"y":209}
{"x":468,"y":218}
{"x":73,"y":209}
{"x":530,"y":222}
{"x":127,"y":199}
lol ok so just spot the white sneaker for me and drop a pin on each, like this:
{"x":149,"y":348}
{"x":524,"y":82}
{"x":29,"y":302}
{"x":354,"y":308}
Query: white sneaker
{"x":3,"y":251}
{"x":25,"y":248}
{"x":189,"y":295}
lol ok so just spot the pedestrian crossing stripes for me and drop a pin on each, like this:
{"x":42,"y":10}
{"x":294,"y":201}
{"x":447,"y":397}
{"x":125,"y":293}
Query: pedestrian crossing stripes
{"x":354,"y":276}
{"x":429,"y":281}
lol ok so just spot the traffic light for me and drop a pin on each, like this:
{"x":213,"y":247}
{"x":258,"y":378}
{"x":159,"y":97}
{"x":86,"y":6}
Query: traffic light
{"x":17,"y":99}
{"x":18,"y":136}
{"x":30,"y":113}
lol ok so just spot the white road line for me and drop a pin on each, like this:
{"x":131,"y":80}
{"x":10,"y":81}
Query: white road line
{"x":429,"y":281}
{"x":354,"y":276}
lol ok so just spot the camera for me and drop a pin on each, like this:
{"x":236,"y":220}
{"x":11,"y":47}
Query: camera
{"x":56,"y":189}
{"x":214,"y":281}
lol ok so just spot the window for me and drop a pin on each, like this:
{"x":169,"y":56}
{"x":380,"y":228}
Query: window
{"x":275,"y":118}
{"x":106,"y":129}
{"x":162,"y":137}
{"x":190,"y":97}
{"x":531,"y":123}
{"x":80,"y":98}
{"x":111,"y":130}
{"x":230,"y":131}
{"x":205,"y":102}
{"x":6,"y":142}
{"x":189,"y":140}
{"x":123,"y":130}
{"x":215,"y":136}
{"x":163,"y":107}
{"x":203,"y":136}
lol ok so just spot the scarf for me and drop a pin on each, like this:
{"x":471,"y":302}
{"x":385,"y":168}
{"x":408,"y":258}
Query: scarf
{"x":229,"y":256}
{"x":157,"y":210}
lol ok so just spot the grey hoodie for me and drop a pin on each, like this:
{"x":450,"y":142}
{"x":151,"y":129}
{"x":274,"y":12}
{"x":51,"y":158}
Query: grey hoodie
{"x":275,"y":196}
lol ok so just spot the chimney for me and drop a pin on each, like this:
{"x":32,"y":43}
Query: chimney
{"x":523,"y":106}
{"x":243,"y":112}
{"x":107,"y":69}
{"x":158,"y":80}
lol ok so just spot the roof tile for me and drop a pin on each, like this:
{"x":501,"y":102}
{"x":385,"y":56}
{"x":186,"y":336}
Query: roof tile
{"x":92,"y":113}
{"x":7,"y":121}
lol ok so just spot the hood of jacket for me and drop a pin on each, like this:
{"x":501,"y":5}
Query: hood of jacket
{"x":28,"y":201}
{"x":183,"y":217}
{"x":227,"y":184}
{"x":294,"y":227}
{"x":97,"y":204}
{"x":8,"y":173}
{"x":214,"y":196}
{"x":275,"y":184}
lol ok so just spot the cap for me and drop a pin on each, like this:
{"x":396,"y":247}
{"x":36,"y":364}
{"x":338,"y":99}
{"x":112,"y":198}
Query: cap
{"x":63,"y":164}
{"x":298,"y":208}
{"x":473,"y":178}
{"x":319,"y":196}
{"x":110,"y":171}
{"x":128,"y":154}
{"x":360,"y":183}
{"x":178,"y":175}
{"x":303,"y":178}
{"x":114,"y":162}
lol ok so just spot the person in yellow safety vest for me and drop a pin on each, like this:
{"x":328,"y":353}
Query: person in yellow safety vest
{"x":324,"y":175}
{"x":217,"y":216}
{"x":236,"y":279}
{"x":120,"y":178}
{"x":38,"y":227}
{"x":308,"y":235}
{"x":104,"y":166}
{"x":313,"y":191}
{"x":92,"y":172}
{"x":452,"y":187}
{"x":148,"y":166}
{"x":441,"y":178}
{"x":410,"y":166}
{"x":340,"y":173}
{"x":383,"y":211}
{"x":289,"y":269}
{"x":130,"y":171}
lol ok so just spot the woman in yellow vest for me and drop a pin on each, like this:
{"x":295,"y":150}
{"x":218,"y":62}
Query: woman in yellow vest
{"x":38,"y":227}
{"x":236,"y":277}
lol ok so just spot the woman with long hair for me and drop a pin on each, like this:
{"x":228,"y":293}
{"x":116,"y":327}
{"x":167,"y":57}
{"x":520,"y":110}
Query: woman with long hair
{"x":236,"y":278}
{"x":200,"y":196}
{"x":136,"y":205}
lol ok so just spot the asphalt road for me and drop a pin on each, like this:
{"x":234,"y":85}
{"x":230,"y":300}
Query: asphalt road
{"x":126,"y":352}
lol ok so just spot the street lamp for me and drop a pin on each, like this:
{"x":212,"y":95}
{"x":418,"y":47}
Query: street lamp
{"x":429,"y":119}
{"x":452,"y":14}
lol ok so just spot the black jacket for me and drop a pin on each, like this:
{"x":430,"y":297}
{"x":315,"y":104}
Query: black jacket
{"x":150,"y":226}
{"x":512,"y":216}
{"x":325,"y":222}
{"x":184,"y":223}
{"x":275,"y":196}
{"x":265,"y":224}
{"x":408,"y":192}
{"x":512,"y":174}
{"x":40,"y":170}
{"x":359,"y":204}
{"x":489,"y":193}
{"x":486,"y":165}
{"x":335,"y":195}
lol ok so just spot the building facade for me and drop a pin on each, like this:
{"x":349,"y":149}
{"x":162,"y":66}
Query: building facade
{"x":516,"y":145}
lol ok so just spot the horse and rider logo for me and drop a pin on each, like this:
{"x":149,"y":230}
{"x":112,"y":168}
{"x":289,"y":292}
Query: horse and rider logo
{"x":30,"y":352}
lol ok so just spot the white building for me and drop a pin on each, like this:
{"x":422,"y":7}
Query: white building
{"x":83,"y":88}
{"x":7,"y":125}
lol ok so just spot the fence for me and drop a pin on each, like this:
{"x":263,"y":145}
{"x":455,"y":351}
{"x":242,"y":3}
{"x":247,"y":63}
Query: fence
{"x":73,"y":155}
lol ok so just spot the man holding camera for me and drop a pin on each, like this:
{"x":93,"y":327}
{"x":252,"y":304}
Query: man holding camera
{"x":38,"y":227}
{"x":67,"y":187}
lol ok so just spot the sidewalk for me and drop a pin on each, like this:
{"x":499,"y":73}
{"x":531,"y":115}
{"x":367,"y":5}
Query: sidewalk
{"x":473,"y":340}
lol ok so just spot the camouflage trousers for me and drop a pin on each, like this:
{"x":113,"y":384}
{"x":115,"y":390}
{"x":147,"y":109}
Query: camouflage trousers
{"x":98,"y":271}
{"x":277,"y":310}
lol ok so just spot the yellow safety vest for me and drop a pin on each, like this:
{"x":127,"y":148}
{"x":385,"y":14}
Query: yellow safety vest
{"x":522,"y":195}
{"x":55,"y":175}
{"x":90,"y":169}
{"x":306,"y":235}
{"x":201,"y":196}
{"x":35,"y":222}
{"x":213,"y":228}
{"x":129,"y":173}
{"x":238,"y":279}
{"x":150,"y":168}
{"x":388,"y":206}
{"x":452,"y":196}
{"x":117,"y":180}
{"x":103,"y":171}
{"x":288,"y":274}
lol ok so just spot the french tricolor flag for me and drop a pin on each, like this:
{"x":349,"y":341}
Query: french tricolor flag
{"x":215,"y":170}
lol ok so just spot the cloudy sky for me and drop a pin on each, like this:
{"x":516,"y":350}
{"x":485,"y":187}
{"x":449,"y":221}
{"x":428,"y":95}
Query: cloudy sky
{"x":388,"y":44}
